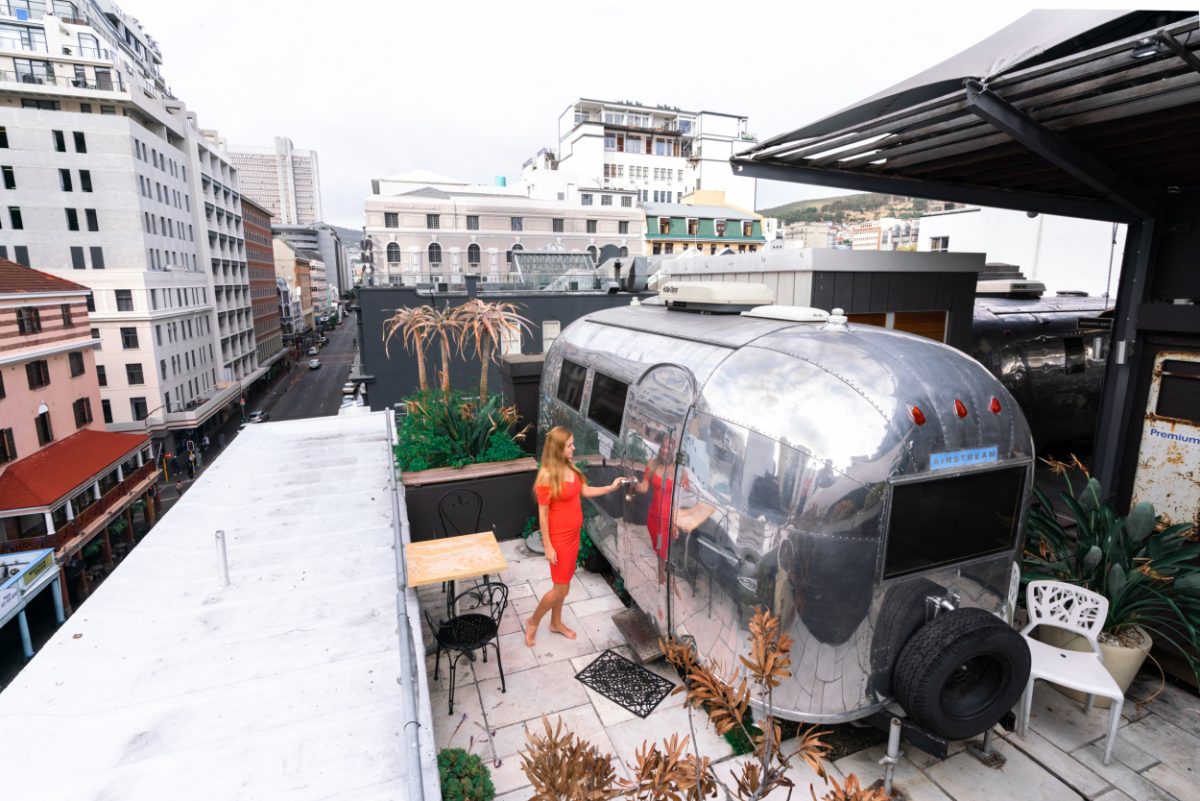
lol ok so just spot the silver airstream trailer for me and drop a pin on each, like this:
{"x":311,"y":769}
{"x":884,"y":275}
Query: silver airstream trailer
{"x":864,"y":484}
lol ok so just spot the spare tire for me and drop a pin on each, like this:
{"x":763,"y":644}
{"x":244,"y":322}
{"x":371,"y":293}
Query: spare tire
{"x":961,"y":672}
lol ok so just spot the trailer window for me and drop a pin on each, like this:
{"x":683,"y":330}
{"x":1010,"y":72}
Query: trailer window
{"x":570,"y":383}
{"x":947,"y":520}
{"x":607,"y":404}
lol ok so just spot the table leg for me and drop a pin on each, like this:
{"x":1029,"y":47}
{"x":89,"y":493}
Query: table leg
{"x":450,"y":591}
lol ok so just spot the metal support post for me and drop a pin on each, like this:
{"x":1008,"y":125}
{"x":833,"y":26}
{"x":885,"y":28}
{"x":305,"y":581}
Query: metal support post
{"x":59,"y":613}
{"x":984,"y":752}
{"x":892,"y":757}
{"x":26,"y":640}
{"x":222,"y":558}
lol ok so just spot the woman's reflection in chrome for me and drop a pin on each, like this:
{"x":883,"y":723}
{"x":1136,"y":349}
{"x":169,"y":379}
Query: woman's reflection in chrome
{"x":660,"y":483}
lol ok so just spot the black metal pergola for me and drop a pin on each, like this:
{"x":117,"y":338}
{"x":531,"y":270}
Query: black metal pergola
{"x":1082,"y":114}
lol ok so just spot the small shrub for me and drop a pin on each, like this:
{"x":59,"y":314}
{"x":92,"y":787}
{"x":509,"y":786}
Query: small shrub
{"x":464,"y":777}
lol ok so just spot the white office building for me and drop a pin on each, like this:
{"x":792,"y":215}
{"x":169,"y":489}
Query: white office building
{"x":426,"y":227}
{"x":282,"y":179}
{"x":660,"y":152}
{"x":101,"y":165}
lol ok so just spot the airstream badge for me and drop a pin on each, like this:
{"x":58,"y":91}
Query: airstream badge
{"x":942,"y":461}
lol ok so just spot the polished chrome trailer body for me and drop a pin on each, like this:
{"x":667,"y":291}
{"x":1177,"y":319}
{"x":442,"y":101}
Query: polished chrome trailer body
{"x":800,"y":480}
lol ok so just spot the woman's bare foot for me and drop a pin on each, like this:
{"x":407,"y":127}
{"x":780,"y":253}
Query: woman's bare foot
{"x":563,"y":630}
{"x":530,"y":633}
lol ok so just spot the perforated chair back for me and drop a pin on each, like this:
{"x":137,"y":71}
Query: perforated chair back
{"x":1065,"y":606}
{"x":459,"y":512}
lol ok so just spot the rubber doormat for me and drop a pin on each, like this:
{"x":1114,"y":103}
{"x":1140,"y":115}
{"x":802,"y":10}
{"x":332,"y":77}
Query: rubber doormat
{"x":623,"y":682}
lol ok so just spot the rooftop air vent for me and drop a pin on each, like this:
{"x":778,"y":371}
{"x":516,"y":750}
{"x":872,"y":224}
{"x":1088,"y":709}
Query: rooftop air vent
{"x":794,"y":314}
{"x":716,"y":297}
{"x":1009,"y":288}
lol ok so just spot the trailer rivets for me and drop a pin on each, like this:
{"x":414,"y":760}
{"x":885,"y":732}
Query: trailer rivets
{"x":995,"y":406}
{"x":959,"y":408}
{"x":917,"y":415}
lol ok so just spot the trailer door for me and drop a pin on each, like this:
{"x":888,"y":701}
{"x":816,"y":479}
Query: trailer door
{"x":656,"y":411}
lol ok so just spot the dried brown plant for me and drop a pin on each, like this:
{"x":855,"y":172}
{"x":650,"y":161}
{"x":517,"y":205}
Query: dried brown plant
{"x":565,"y":768}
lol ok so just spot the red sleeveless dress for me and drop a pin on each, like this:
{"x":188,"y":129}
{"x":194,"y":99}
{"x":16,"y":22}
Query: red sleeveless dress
{"x":565,"y":520}
{"x":660,"y":512}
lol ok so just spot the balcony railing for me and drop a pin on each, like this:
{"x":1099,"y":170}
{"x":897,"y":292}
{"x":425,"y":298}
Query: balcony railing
{"x":84,"y":519}
{"x":114,"y":84}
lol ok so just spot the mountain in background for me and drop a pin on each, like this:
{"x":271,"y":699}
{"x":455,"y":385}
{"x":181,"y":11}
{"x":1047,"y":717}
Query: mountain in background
{"x":848,"y":208}
{"x":350,"y":237}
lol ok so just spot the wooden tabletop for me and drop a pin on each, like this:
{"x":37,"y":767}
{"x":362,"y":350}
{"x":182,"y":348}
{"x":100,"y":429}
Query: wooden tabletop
{"x":453,"y":558}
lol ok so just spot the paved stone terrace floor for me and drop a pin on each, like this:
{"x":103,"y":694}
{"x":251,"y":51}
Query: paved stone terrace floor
{"x":1157,"y":756}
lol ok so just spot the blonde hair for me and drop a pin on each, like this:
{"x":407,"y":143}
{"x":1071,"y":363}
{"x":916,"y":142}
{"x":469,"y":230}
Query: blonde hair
{"x":555,"y":462}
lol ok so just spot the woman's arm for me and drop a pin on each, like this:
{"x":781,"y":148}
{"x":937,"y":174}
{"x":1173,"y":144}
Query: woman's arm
{"x":593,"y":492}
{"x":544,"y":525}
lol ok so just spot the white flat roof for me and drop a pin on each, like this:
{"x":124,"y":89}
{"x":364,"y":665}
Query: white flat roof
{"x":286,"y":684}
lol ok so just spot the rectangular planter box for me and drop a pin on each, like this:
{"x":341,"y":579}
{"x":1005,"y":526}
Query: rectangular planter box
{"x":505,"y":487}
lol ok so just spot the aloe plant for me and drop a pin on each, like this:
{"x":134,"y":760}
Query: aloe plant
{"x":1150,"y":573}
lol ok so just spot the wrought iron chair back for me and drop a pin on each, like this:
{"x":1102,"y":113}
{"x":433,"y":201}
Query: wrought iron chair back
{"x":471,"y":631}
{"x":460,"y":512}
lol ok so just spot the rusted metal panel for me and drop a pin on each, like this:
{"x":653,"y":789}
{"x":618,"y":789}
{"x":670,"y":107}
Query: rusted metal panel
{"x":1168,"y":469}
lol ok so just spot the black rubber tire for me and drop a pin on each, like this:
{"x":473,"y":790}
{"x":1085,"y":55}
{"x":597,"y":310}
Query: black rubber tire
{"x":961,"y":672}
{"x":901,"y":613}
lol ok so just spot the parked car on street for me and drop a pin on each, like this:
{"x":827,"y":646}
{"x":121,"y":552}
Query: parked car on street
{"x":314,"y":350}
{"x":259,"y":416}
{"x":313,"y":364}
{"x":348,"y":388}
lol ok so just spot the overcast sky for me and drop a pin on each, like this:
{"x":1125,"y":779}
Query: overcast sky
{"x":472,"y":90}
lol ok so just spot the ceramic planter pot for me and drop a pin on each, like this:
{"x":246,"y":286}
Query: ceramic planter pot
{"x":1121,"y":662}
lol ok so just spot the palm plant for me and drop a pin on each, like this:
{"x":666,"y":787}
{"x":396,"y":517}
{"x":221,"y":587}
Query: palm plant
{"x":414,"y":326}
{"x":485,"y":326}
{"x":1149,"y":573}
{"x":445,"y":324}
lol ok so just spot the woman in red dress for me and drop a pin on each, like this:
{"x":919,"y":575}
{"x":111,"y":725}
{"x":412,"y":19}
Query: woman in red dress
{"x":559,"y":487}
{"x":657,"y":480}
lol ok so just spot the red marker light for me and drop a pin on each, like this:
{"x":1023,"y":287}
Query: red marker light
{"x":959,"y":409}
{"x":917,"y":415}
{"x":995,"y":406}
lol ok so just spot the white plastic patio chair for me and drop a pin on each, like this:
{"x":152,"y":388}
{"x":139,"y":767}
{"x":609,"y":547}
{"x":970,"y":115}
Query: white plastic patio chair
{"x":1065,"y":606}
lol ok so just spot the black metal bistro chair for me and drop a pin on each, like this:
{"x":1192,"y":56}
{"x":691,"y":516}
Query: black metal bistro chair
{"x":460,"y":512}
{"x":465,"y":634}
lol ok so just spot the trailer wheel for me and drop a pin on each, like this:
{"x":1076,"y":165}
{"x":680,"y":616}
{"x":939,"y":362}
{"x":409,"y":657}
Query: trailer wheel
{"x":961,"y":672}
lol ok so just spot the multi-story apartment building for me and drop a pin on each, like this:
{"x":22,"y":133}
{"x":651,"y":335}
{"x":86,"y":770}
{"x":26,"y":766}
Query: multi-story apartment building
{"x":886,"y":233}
{"x":422,"y":231}
{"x":325,"y":241}
{"x":702,"y":223}
{"x":283,"y":180}
{"x":264,"y":298}
{"x":295,"y":269}
{"x":64,"y":480}
{"x":660,"y":152}
{"x":810,"y":234}
{"x":104,"y":172}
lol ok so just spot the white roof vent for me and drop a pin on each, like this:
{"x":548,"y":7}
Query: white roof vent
{"x":795,"y":314}
{"x":716,"y":297}
{"x":836,"y":322}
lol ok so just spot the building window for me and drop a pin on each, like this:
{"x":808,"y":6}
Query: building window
{"x":97,"y":257}
{"x":591,"y":226}
{"x":626,"y":202}
{"x":101,"y":375}
{"x":106,"y":410}
{"x":719,"y":227}
{"x":124,"y":300}
{"x":939,"y":244}
{"x":133,"y":372}
{"x":623,"y":227}
{"x":656,"y":248}
{"x":435,"y":253}
{"x":85,"y":180}
{"x":64,"y":181}
{"x":75,"y":357}
{"x":21,"y":255}
{"x":137,"y":407}
{"x":693,"y":226}
{"x":38,"y":373}
{"x":624,"y":252}
{"x":8,"y":448}
{"x":747,"y":229}
{"x":72,"y":219}
{"x":44,"y":431}
{"x":606,"y":200}
{"x":393,"y":253}
{"x":93,"y":223}
{"x":433,"y":221}
{"x":129,"y":338}
{"x":585,"y":198}
{"x":3,"y":137}
{"x":473,"y":254}
{"x":67,"y":320}
{"x":557,"y":225}
{"x":593,"y":252}
{"x":517,"y":223}
{"x":10,"y":177}
{"x":14,"y":218}
{"x":60,"y":141}
{"x":669,"y":248}
{"x":391,"y":219}
{"x":610,"y":141}
{"x":664,"y":225}
{"x":29,"y":320}
{"x":83,"y":412}
{"x":80,"y":142}
{"x":472,"y":222}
